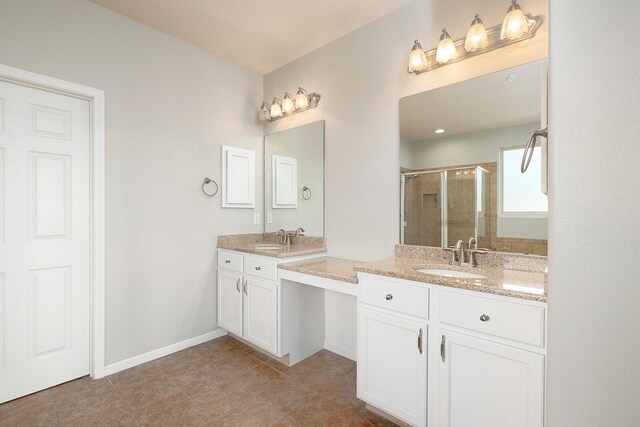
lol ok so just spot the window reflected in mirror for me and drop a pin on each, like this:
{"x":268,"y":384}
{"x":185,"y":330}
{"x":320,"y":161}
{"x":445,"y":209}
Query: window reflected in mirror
{"x":461,"y":149}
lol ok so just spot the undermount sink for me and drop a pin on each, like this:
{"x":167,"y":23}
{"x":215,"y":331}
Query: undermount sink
{"x":451,"y":273}
{"x":269,"y":247}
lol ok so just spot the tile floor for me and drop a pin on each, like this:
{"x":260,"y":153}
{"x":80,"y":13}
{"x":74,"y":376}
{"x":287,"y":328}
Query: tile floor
{"x":219,"y":383}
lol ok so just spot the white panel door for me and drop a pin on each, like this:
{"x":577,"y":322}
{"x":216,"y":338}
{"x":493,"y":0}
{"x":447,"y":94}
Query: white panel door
{"x":238,"y":177}
{"x":392,"y":365}
{"x":285,"y":182}
{"x":484,"y":384}
{"x":230,"y":301}
{"x":44,"y":239}
{"x":261,"y":313}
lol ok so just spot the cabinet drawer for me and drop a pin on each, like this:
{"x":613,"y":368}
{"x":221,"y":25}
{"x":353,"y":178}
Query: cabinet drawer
{"x":403,"y":298}
{"x":230,"y":261}
{"x":504,"y":319}
{"x":261,"y":267}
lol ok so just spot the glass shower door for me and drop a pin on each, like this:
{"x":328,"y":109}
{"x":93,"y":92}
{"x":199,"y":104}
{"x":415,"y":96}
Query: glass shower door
{"x":422,"y":213}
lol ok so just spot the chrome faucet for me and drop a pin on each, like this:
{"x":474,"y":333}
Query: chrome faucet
{"x":299,"y":231}
{"x":473,"y":250}
{"x":460,"y":251}
{"x":284,"y":237}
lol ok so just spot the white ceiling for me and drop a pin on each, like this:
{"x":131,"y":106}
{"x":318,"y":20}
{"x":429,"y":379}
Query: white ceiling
{"x":260,"y":35}
{"x":506,"y":98}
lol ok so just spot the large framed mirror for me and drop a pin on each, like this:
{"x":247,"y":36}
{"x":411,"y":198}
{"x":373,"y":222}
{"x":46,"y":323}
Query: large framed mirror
{"x":461,"y":148}
{"x":294,"y":179}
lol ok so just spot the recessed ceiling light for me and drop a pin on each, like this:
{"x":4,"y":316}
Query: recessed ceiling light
{"x":439,"y":130}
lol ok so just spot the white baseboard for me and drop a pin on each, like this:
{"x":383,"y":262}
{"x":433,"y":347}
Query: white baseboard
{"x":161,"y":352}
{"x":342,"y":351}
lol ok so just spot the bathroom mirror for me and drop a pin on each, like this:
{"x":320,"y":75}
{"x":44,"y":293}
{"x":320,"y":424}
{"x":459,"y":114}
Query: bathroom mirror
{"x":461,"y":148}
{"x":294,"y":179}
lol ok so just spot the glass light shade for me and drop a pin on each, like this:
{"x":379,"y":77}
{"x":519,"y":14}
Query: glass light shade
{"x":417,"y":58}
{"x":288,"y":106}
{"x":446,"y":49}
{"x":302,"y":99}
{"x":514,"y":25}
{"x":276,"y":109}
{"x":265,"y":114}
{"x":476,"y":36}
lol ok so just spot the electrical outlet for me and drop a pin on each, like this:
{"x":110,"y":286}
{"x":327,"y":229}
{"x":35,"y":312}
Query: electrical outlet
{"x":269,"y":218}
{"x":256,"y":218}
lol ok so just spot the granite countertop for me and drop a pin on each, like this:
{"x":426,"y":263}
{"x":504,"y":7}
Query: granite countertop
{"x":530,"y":285}
{"x":327,"y":267}
{"x":303,"y":245}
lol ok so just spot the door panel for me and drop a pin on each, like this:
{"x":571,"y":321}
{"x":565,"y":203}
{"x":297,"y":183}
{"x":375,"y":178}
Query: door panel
{"x":392,"y":372}
{"x":485,"y":384}
{"x":261,"y":313}
{"x":44,"y":239}
{"x":230,"y":301}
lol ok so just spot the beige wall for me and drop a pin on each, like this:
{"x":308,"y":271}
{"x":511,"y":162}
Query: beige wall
{"x":594,"y":273}
{"x":169,"y":108}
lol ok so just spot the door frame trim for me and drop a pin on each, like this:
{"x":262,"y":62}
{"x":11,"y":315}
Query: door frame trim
{"x":97,"y":197}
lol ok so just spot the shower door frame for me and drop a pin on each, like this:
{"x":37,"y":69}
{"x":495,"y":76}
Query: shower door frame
{"x":444,"y":226}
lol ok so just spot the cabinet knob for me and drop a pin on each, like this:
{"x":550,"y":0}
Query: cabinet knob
{"x":227,"y":261}
{"x":389,"y":297}
{"x":484,"y":318}
{"x":258,"y":269}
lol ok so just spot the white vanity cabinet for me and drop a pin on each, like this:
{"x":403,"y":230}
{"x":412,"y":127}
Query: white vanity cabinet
{"x":483,"y":360}
{"x":248,"y":294}
{"x":392,"y":348}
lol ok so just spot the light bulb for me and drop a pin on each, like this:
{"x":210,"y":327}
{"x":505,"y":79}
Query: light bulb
{"x":515,"y":24}
{"x":417,"y":58}
{"x":302,"y":99}
{"x":265,"y":114}
{"x":476,"y":36}
{"x":276,"y":109}
{"x":446,"y":49}
{"x":288,"y":106}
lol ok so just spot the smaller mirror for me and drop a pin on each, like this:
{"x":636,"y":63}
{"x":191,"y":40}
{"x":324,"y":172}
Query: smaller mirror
{"x":294,"y":179}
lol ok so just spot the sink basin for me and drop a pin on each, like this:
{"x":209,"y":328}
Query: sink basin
{"x":451,"y":273}
{"x":269,"y":247}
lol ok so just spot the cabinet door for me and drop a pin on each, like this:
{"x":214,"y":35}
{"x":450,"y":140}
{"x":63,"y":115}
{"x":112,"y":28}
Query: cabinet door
{"x":230,"y":301}
{"x":238,"y":178}
{"x":392,"y":365}
{"x":484,"y":384}
{"x":261,"y":313}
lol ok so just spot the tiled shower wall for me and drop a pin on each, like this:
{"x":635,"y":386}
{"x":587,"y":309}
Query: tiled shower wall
{"x":423,"y":211}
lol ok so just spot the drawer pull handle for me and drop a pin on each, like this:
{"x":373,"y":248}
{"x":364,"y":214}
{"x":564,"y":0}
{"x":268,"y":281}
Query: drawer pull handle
{"x":420,"y":341}
{"x":442,"y":348}
{"x":258,"y":269}
{"x":238,"y":285}
{"x":485,"y":318}
{"x":389,"y":297}
{"x":227,"y":261}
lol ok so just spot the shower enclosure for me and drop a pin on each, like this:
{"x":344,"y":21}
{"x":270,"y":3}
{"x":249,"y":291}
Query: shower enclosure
{"x":440,"y":207}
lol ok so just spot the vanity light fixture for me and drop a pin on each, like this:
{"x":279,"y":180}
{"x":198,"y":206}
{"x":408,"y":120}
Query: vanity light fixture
{"x":514,"y":25}
{"x":417,"y":59}
{"x":302,"y":99}
{"x":446,"y":50}
{"x":517,"y":26}
{"x":289,"y":105}
{"x":276,"y":109}
{"x":265,"y":112}
{"x":476,"y":36}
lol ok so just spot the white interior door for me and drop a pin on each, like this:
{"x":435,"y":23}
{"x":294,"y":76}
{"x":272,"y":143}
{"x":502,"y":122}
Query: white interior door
{"x":44,"y":239}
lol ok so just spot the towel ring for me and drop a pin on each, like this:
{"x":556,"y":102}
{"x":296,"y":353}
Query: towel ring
{"x":306,"y":190}
{"x":209,"y":181}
